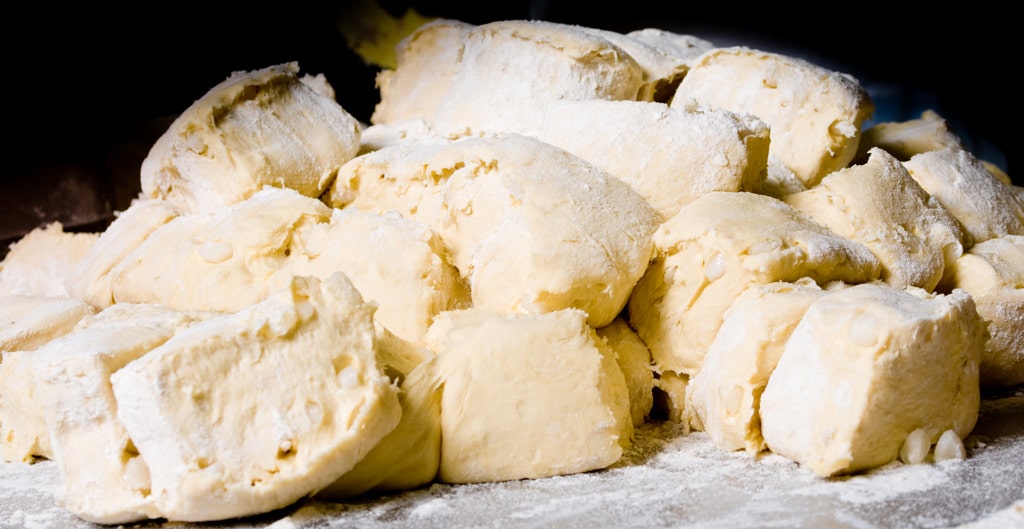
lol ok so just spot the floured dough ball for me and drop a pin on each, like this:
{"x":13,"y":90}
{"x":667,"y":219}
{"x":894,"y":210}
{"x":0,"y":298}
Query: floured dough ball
{"x":40,"y":262}
{"x":509,"y":71}
{"x":525,"y":222}
{"x":669,"y":156}
{"x":815,"y":114}
{"x":248,"y":412}
{"x":91,"y":280}
{"x":528,"y":396}
{"x":992,"y":272}
{"x":985,"y":207}
{"x":725,"y":395}
{"x":866,"y":366}
{"x":634,"y":360}
{"x":102,"y":477}
{"x":256,"y":128}
{"x":28,"y":322}
{"x":712,"y":250}
{"x":881,"y":206}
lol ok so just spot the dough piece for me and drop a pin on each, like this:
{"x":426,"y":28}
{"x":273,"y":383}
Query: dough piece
{"x":670,"y":398}
{"x":904,"y":139}
{"x":663,"y":70}
{"x":525,"y":223}
{"x":725,"y":394}
{"x":529,"y":396}
{"x":509,"y":71}
{"x":103,"y":480}
{"x":866,"y":366}
{"x":985,"y":207}
{"x":409,"y":456}
{"x":39,"y":263}
{"x":91,"y":278}
{"x":27,"y":322}
{"x":395,"y":262}
{"x":815,"y":114}
{"x":256,"y":128}
{"x":712,"y":250}
{"x":246,"y":413}
{"x":375,"y":137}
{"x":992,"y":272}
{"x":881,"y":206}
{"x":634,"y":360}
{"x":426,"y":63}
{"x":678,"y":45}
{"x":669,"y":156}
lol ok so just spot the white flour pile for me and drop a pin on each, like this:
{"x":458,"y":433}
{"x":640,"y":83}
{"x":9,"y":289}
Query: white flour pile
{"x":669,"y":479}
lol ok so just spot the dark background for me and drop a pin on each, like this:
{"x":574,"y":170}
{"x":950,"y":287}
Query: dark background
{"x":91,"y":89}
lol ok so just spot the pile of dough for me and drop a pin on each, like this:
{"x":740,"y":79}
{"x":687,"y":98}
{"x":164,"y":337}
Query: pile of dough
{"x":256,"y":128}
{"x":866,"y":366}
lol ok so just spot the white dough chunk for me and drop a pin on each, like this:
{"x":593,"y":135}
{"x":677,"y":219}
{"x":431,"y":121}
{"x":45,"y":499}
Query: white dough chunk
{"x":984,"y":205}
{"x":634,"y":360}
{"x":103,"y":479}
{"x":866,"y":366}
{"x":992,"y":272}
{"x":39,"y":263}
{"x":668,"y":155}
{"x":248,"y":412}
{"x":881,"y":206}
{"x":725,"y":394}
{"x":27,"y":321}
{"x":524,"y":222}
{"x":91,"y":279}
{"x":255,"y":128}
{"x":509,"y":71}
{"x":715,"y":247}
{"x":815,"y":114}
{"x":904,"y":139}
{"x":529,"y":396}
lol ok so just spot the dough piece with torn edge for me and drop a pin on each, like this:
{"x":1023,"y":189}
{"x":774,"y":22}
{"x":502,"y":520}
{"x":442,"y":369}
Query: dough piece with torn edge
{"x":255,"y":128}
{"x":881,"y":206}
{"x":527,"y":396}
{"x":866,"y":366}
{"x":715,"y":247}
{"x":815,"y":114}
{"x":39,"y":263}
{"x":247,"y":413}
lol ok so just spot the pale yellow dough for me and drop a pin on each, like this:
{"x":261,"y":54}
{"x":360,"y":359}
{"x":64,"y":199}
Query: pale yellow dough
{"x":881,"y":206}
{"x":715,"y":247}
{"x":904,"y":139}
{"x":992,"y":272}
{"x":41,"y":261}
{"x":27,"y":322}
{"x":249,"y":412}
{"x":634,"y":360}
{"x":523,"y":221}
{"x":724,"y":396}
{"x":103,"y":479}
{"x":528,"y":396}
{"x":866,"y":366}
{"x":668,"y":155}
{"x":815,"y":113}
{"x":255,"y":128}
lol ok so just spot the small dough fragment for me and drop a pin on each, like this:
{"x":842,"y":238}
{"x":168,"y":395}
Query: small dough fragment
{"x":992,"y":272}
{"x":904,"y":139}
{"x":255,"y":128}
{"x":528,"y":396}
{"x":668,"y":155}
{"x":725,"y":394}
{"x":815,"y":114}
{"x":40,"y":262}
{"x":248,"y":412}
{"x":915,"y":356}
{"x":881,"y":206}
{"x":985,"y":207}
{"x":634,"y":360}
{"x":27,"y":322}
{"x":712,"y":250}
